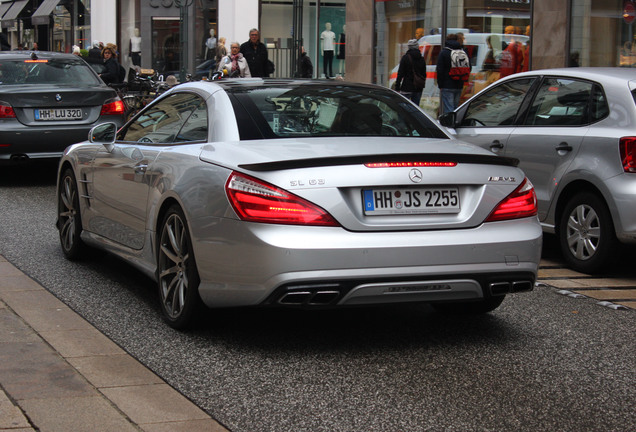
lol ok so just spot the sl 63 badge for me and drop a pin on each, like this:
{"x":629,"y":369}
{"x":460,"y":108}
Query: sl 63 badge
{"x":310,"y":182}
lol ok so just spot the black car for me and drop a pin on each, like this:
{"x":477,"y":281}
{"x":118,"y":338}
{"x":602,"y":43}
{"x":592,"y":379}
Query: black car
{"x":48,"y":101}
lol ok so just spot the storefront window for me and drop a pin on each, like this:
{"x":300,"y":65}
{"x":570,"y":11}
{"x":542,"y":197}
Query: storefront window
{"x":331,"y":40}
{"x":611,"y":22}
{"x":496,"y":37}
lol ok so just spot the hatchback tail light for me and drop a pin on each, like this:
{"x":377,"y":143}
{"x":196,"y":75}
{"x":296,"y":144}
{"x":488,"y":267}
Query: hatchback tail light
{"x":113,"y":107}
{"x":256,"y":201}
{"x":519,"y":204}
{"x":627,"y":147}
{"x":6,"y":110}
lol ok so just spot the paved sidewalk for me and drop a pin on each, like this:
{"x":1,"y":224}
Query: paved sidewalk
{"x":59,"y":373}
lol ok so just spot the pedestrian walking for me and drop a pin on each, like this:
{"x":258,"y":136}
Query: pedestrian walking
{"x":255,"y":52}
{"x":411,"y":76}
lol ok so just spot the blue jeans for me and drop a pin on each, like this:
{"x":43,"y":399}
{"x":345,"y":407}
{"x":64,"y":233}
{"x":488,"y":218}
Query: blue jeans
{"x":449,"y":99}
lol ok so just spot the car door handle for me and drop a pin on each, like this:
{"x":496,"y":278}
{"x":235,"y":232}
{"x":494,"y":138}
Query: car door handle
{"x":141,"y":168}
{"x":496,"y":145}
{"x":563,"y":147}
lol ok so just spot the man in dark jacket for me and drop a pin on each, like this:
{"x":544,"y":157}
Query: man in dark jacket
{"x":4,"y":43}
{"x":255,"y":52}
{"x":305,"y":67}
{"x":450,"y":90}
{"x":411,"y":63}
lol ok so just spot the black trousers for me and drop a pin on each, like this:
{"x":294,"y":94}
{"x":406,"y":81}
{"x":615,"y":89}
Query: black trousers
{"x":327,"y":60}
{"x":136,"y":58}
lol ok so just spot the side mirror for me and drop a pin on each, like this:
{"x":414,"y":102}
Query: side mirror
{"x":448,"y":119}
{"x":103,"y":133}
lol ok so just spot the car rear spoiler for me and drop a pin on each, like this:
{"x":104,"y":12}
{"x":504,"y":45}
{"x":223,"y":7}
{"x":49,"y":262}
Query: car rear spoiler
{"x":366,"y":159}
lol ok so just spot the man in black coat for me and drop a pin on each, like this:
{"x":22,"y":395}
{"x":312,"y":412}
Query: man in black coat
{"x":4,"y":43}
{"x":255,"y":52}
{"x":411,"y":63}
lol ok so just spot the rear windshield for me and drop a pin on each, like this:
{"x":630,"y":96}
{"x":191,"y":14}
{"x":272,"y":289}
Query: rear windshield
{"x":314,"y":110}
{"x":43,"y":71}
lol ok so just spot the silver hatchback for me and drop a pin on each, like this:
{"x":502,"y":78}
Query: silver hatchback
{"x":574,"y":132}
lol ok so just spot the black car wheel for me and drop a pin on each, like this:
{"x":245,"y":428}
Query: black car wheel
{"x":586,"y":234}
{"x":69,"y":221}
{"x":177,"y":272}
{"x":470,"y":308}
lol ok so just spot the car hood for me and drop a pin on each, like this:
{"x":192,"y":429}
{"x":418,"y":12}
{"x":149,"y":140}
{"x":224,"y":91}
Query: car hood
{"x":266,"y":155}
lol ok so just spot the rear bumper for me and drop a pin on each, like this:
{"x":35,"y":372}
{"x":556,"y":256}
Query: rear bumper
{"x":19,"y":142}
{"x":259,"y":264}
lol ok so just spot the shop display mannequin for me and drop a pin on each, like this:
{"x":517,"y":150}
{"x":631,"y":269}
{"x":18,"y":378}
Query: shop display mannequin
{"x":135,"y":48}
{"x":210,"y":45}
{"x":327,"y":45}
{"x":341,"y":50}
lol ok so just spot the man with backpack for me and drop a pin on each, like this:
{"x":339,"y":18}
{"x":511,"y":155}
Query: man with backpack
{"x":453,"y":70}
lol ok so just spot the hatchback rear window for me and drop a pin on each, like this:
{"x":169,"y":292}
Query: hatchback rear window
{"x":45,"y":71}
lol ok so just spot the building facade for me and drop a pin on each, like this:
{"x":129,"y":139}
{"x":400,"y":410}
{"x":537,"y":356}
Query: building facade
{"x":358,"y":40}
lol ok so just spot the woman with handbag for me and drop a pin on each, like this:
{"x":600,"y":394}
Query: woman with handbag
{"x":411,"y":76}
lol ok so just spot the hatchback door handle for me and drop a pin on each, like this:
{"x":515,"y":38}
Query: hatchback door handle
{"x":496,"y":145}
{"x":564,"y":147}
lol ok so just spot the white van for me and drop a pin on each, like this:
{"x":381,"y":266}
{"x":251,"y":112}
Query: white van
{"x":476,"y":45}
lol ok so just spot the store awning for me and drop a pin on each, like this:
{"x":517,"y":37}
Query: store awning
{"x":4,"y":7}
{"x":43,"y":13}
{"x":9,"y":17}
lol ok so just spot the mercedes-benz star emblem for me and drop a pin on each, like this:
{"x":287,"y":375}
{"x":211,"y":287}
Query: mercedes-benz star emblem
{"x":415,"y":175}
{"x":58,"y":97}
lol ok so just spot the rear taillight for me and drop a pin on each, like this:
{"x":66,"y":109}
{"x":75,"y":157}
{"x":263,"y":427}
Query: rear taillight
{"x":627,"y":146}
{"x":257,"y":201}
{"x":519,"y":204}
{"x":6,"y":110}
{"x":113,"y":107}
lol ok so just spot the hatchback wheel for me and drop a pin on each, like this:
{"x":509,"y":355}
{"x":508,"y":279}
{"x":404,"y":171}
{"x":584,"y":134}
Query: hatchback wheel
{"x":69,"y":222}
{"x":586,"y":234}
{"x":177,"y":272}
{"x":470,"y":308}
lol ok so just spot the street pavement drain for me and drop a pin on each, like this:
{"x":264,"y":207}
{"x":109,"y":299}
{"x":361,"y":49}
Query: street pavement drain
{"x":612,"y":292}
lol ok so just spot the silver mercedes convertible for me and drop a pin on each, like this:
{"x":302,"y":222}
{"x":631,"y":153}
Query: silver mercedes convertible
{"x":292,"y":193}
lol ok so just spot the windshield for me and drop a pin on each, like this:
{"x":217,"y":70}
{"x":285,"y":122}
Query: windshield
{"x":42,"y":71}
{"x":314,"y":110}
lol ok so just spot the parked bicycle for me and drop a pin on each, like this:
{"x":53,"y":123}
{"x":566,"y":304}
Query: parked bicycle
{"x":143,"y":87}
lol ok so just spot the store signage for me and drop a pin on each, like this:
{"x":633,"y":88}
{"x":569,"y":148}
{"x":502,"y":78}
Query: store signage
{"x":629,"y":12}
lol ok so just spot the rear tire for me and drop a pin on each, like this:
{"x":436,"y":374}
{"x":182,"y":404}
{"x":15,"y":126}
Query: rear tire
{"x":586,"y":234}
{"x":470,"y":308}
{"x":178,"y":277}
{"x":69,"y":221}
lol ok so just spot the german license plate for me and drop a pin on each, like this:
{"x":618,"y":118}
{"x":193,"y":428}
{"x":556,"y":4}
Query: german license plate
{"x":433,"y":200}
{"x":58,"y":114}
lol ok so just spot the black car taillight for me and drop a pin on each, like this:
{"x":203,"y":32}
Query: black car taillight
{"x":627,"y":146}
{"x":6,"y":110}
{"x":113,"y":107}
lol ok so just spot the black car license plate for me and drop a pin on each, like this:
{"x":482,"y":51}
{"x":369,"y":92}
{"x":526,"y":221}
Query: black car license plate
{"x":58,"y":114}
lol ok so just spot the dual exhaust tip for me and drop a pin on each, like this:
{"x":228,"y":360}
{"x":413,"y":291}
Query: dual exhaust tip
{"x":19,"y":158}
{"x":508,"y":287}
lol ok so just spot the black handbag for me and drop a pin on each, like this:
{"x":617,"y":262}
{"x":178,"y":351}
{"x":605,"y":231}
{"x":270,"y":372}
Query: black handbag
{"x":419,"y":81}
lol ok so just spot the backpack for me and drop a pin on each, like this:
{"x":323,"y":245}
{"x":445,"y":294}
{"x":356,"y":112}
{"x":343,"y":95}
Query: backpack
{"x":460,"y":65}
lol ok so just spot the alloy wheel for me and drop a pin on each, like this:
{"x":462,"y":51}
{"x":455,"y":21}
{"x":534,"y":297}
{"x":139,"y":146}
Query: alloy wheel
{"x":583,"y":232}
